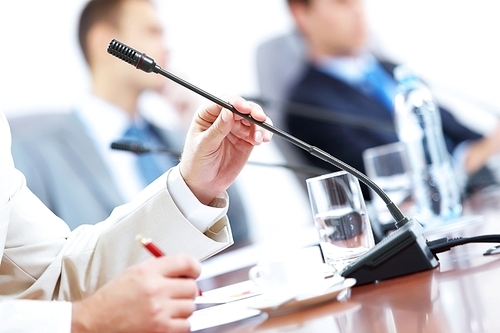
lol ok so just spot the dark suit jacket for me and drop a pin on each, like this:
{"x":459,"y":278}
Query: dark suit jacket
{"x":64,"y":169}
{"x":332,"y":115}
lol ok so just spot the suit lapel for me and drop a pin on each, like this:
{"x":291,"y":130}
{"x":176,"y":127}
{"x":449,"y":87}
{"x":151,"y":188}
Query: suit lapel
{"x":86,"y":160}
{"x":351,"y":107}
{"x":353,"y":95}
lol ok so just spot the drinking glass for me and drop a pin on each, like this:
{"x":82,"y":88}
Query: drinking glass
{"x":340,"y":217}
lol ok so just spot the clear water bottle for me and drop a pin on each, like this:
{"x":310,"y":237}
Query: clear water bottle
{"x":436,"y":192}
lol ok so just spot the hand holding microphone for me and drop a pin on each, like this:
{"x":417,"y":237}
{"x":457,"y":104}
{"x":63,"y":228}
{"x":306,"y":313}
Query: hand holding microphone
{"x":218,"y":145}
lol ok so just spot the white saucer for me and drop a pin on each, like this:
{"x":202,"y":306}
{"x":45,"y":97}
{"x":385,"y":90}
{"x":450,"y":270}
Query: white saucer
{"x":266,"y":304}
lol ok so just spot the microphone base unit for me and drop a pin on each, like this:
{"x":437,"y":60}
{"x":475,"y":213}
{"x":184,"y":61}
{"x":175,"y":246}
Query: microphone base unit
{"x":405,"y":251}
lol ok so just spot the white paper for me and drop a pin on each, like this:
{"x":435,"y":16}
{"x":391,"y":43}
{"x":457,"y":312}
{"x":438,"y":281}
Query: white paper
{"x":220,"y":314}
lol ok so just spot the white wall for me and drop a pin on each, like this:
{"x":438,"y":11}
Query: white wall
{"x":40,"y":64}
{"x":212,"y":42}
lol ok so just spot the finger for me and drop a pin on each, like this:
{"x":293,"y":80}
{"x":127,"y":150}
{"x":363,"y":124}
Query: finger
{"x":178,"y":266}
{"x":181,"y":308}
{"x":220,"y":128}
{"x":182,"y":288}
{"x":260,"y":135}
{"x":208,"y":113}
{"x":246,"y":107}
{"x":267,"y":135}
{"x":253,"y":134}
{"x":179,"y":325}
{"x":245,"y":122}
{"x":256,"y":111}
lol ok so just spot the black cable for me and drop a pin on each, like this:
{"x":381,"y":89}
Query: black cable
{"x":445,"y":244}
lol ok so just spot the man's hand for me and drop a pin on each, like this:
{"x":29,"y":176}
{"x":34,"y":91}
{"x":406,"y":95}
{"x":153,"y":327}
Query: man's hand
{"x":154,"y":296}
{"x":218,"y":146}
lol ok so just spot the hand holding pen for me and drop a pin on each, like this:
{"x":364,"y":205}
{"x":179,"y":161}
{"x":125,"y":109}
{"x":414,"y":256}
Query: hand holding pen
{"x":156,"y":295}
{"x":155,"y":250}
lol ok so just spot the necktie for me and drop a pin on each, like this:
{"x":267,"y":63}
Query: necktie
{"x":379,"y":84}
{"x":150,"y":165}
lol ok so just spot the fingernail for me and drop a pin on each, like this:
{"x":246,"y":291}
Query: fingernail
{"x":258,"y":136}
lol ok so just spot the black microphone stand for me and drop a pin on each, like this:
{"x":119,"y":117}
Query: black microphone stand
{"x":405,"y":251}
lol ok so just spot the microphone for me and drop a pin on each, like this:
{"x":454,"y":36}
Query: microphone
{"x":147,"y":64}
{"x":138,"y":147}
{"x":141,"y":148}
{"x":405,"y":251}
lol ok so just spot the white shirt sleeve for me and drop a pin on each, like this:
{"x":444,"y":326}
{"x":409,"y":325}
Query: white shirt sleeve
{"x":44,"y":316}
{"x":200,"y":215}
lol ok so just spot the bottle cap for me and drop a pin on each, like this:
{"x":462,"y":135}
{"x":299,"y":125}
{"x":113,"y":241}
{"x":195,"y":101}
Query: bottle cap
{"x":403,"y":72}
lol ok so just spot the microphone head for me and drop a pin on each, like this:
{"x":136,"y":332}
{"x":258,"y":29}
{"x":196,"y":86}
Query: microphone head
{"x":135,"y":58}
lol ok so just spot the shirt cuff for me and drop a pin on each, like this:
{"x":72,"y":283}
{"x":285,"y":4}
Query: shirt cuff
{"x":201,"y":216}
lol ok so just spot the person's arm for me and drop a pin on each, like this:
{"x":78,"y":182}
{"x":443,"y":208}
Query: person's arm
{"x":43,"y":260}
{"x":479,"y":151}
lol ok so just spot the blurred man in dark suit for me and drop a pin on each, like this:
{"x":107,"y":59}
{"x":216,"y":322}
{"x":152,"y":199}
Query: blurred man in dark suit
{"x":331,"y":106}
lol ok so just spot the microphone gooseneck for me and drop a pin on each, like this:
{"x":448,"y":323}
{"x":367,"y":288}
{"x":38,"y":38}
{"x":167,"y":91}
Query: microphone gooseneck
{"x":147,"y":64}
{"x":131,"y":146}
{"x":402,"y":252}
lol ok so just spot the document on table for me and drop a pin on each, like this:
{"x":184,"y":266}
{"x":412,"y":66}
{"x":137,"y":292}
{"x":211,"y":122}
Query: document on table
{"x":230,"y":293}
{"x":230,"y":307}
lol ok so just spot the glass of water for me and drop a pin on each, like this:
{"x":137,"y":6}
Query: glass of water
{"x":388,"y":167}
{"x":340,"y":216}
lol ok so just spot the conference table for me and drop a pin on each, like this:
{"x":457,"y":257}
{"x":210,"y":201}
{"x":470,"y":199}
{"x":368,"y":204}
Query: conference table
{"x":462,"y":294}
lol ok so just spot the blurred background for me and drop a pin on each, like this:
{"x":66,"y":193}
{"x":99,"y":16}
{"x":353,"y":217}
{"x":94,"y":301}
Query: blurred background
{"x":451,"y":44}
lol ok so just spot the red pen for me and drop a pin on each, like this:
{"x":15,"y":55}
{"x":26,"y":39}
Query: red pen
{"x":154,"y":250}
{"x":148,"y":244}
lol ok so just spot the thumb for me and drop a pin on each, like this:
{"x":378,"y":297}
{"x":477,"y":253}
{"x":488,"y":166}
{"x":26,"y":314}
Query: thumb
{"x":221,"y":126}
